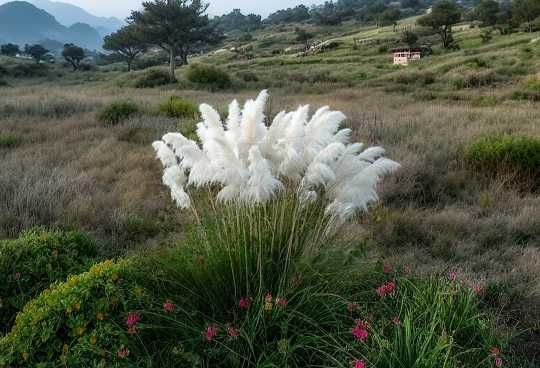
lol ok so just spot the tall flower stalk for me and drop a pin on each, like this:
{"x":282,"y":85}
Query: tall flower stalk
{"x":276,"y":190}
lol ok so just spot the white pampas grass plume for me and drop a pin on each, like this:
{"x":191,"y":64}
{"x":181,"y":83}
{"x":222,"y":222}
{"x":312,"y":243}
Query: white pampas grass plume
{"x":251,"y":162}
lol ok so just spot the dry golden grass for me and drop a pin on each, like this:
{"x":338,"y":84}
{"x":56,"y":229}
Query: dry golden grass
{"x":436,"y":215}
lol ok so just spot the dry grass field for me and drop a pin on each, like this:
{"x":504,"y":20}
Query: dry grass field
{"x":61,"y":166}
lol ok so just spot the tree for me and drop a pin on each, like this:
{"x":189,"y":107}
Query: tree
{"x":303,"y":36}
{"x":409,"y":37}
{"x":36,"y":52}
{"x":487,"y":12}
{"x":128,"y":42}
{"x":176,"y":26}
{"x":9,"y":49}
{"x":443,"y":15}
{"x":390,"y":16}
{"x":73,"y":54}
{"x":526,"y":11}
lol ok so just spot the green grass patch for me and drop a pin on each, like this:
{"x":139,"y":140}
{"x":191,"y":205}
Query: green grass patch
{"x":208,"y":76}
{"x":117,"y":112}
{"x":178,"y":107}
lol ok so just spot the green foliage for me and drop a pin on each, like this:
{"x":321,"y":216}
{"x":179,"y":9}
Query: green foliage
{"x":28,"y":71}
{"x":128,"y":42}
{"x":79,"y":323}
{"x":9,"y":141}
{"x":502,"y":153}
{"x":208,"y":76}
{"x":117,"y":112}
{"x":153,"y":78}
{"x":177,"y":107}
{"x":29,"y":264}
{"x":37,"y":52}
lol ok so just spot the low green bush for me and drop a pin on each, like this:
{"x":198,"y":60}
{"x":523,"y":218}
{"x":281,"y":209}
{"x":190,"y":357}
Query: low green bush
{"x":153,"y":78}
{"x":412,"y":77}
{"x":178,"y":107}
{"x":31,"y":70}
{"x":117,"y":112}
{"x":497,"y":154}
{"x":29,"y":264}
{"x":208,"y":76}
{"x":82,"y":322}
{"x":9,"y":141}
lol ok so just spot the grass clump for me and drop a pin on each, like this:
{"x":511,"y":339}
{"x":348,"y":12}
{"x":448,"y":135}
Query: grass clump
{"x":499,"y":154}
{"x":9,"y":141}
{"x":29,"y":264}
{"x":177,"y":107}
{"x":153,"y":78}
{"x":117,"y":112}
{"x":208,"y":76}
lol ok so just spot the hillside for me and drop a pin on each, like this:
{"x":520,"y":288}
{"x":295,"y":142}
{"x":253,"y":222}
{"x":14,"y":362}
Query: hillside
{"x":23,"y":23}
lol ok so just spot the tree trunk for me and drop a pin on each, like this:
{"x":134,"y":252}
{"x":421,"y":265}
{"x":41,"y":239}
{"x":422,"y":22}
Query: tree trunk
{"x":184,"y":59}
{"x":129,"y":61}
{"x":172,"y":64}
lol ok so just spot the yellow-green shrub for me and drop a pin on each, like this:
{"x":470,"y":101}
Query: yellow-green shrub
{"x":118,"y":111}
{"x":209,"y":76}
{"x":177,"y":107}
{"x":28,"y":265}
{"x":78,"y":323}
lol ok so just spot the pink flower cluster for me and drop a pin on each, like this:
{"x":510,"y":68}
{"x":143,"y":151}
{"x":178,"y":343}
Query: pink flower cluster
{"x":211,"y":332}
{"x":360,"y":331}
{"x":131,"y":322}
{"x":496,"y":354}
{"x":169,"y":306}
{"x":386,"y":289}
{"x":359,"y":364}
{"x":245,"y":303}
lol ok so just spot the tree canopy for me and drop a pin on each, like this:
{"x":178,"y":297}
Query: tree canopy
{"x":37,"y":52}
{"x":9,"y":49}
{"x":73,"y":54}
{"x":444,"y":14}
{"x":128,"y":42}
{"x":177,"y":26}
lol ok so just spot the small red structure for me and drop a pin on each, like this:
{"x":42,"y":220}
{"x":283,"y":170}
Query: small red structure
{"x":403,"y":55}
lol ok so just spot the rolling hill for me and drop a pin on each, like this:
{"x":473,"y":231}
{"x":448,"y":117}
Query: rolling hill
{"x":22,"y":23}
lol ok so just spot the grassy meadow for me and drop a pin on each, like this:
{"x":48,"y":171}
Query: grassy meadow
{"x":63,"y":167}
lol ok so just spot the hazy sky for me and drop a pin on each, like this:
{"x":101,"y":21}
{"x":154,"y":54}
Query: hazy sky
{"x":121,"y":8}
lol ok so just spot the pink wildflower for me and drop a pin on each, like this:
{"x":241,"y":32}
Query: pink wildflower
{"x":477,"y":289}
{"x":407,"y":270}
{"x":233,"y":332}
{"x":123,"y":352}
{"x":211,"y":332}
{"x":17,"y":276}
{"x":387,"y":268}
{"x":282,"y":302}
{"x":495,"y":351}
{"x":452,"y":275}
{"x":168,"y":306}
{"x":359,"y":364}
{"x":387,"y":288}
{"x":244,"y":303}
{"x":396,"y":320}
{"x":359,"y":331}
{"x":131,"y":322}
{"x":498,"y":362}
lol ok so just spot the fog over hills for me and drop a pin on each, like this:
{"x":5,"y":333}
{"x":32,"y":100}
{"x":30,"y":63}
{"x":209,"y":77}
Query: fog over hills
{"x":22,"y":23}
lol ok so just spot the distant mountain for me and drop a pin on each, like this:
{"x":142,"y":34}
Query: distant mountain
{"x":22,"y":22}
{"x":68,"y":14}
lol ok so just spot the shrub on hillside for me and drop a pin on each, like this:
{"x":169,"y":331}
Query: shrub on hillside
{"x":38,"y":258}
{"x":31,"y":70}
{"x":82,"y":322}
{"x":498,"y":154}
{"x":177,"y":107}
{"x":118,"y":111}
{"x":413,"y":77}
{"x":208,"y":76}
{"x":153,"y":78}
{"x":9,"y":141}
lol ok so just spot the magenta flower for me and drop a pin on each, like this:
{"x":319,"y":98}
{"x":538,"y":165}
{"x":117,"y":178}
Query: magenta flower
{"x":396,"y":320}
{"x":131,"y":322}
{"x":18,"y":276}
{"x":359,"y":331}
{"x":233,"y":332}
{"x":387,"y":268}
{"x":169,"y":306}
{"x":407,"y":270}
{"x":478,"y":289}
{"x":244,"y":303}
{"x":211,"y":332}
{"x":359,"y":364}
{"x":452,"y":275}
{"x":495,"y":351}
{"x":282,"y":302}
{"x":498,"y":362}
{"x":386,"y":289}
